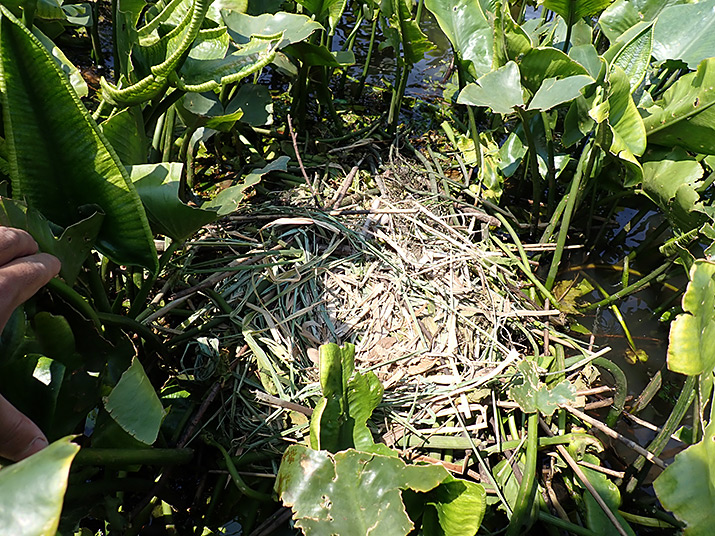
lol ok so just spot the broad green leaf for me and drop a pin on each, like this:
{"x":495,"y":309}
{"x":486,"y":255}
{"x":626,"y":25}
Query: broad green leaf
{"x":336,"y":366}
{"x":533,"y":395}
{"x":573,"y":10}
{"x":44,"y":9}
{"x":554,"y":92}
{"x":314,"y":55}
{"x":134,"y":405}
{"x":72,"y":247}
{"x":351,"y":492}
{"x":587,"y":56}
{"x":627,"y":132}
{"x":205,"y":109}
{"x":32,"y":491}
{"x":364,"y":394}
{"x":207,"y":75}
{"x":685,"y":116}
{"x":457,"y":508}
{"x":511,"y":41}
{"x":547,"y":62}
{"x":77,"y":167}
{"x":256,"y":103}
{"x":691,"y":349}
{"x":596,"y":518}
{"x":402,"y":32}
{"x":687,"y":486}
{"x":685,"y":32}
{"x":469,"y":31}
{"x":125,"y":133}
{"x":228,"y":200}
{"x":293,"y":27}
{"x":500,"y":90}
{"x":158,"y":187}
{"x":623,"y":14}
{"x":631,"y":52}
{"x":67,"y":67}
{"x":332,"y":10}
{"x":671,"y":180}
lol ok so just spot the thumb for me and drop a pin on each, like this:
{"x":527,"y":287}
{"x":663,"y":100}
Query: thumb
{"x":19,"y":436}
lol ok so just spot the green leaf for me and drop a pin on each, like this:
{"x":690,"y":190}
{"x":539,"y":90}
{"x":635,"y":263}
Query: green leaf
{"x":511,"y":42}
{"x":691,"y":348}
{"x":205,"y":109}
{"x":73,"y":74}
{"x":134,"y":405}
{"x":125,"y":133}
{"x":554,"y":92}
{"x":158,"y":187}
{"x":500,"y":90}
{"x":206,"y":75}
{"x":623,"y":14}
{"x":293,"y":27}
{"x":573,"y":10}
{"x":403,"y":32}
{"x":32,"y":491}
{"x":469,"y":31}
{"x":596,"y":518}
{"x":314,"y":55}
{"x":631,"y":52}
{"x":627,"y":131}
{"x":351,"y":492}
{"x":332,"y":10}
{"x":687,"y":486}
{"x":72,"y":247}
{"x":685,"y":116}
{"x":458,"y":508}
{"x":533,"y":395}
{"x":43,"y":116}
{"x":256,"y":103}
{"x":671,"y":180}
{"x":685,"y":32}
{"x":541,"y":63}
{"x":228,"y":200}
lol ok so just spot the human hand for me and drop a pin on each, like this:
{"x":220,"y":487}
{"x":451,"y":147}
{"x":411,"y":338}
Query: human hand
{"x":23,"y":272}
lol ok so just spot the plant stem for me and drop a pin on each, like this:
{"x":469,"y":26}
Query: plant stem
{"x":570,"y":528}
{"x":527,"y":489}
{"x":122,"y":457}
{"x":641,"y":283}
{"x":72,"y":297}
{"x":240,"y":484}
{"x":568,"y":213}
{"x":363,"y":77}
{"x":525,"y":118}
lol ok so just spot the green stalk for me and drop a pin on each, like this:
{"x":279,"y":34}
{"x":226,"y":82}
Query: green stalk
{"x":168,"y":136}
{"x":570,"y":528}
{"x":525,"y":118}
{"x":132,"y":325}
{"x":473,"y":131}
{"x":551,"y":164}
{"x":363,"y":77}
{"x":99,"y":293}
{"x":237,"y":480}
{"x":397,"y":94}
{"x":523,"y":264}
{"x":77,"y":301}
{"x":527,"y":489}
{"x":123,"y":457}
{"x":686,"y":397}
{"x":641,"y":283}
{"x":141,"y":296}
{"x":568,"y":213}
{"x":619,"y":399}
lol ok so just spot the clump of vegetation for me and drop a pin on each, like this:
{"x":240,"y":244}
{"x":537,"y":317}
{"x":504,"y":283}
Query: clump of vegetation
{"x":240,"y":188}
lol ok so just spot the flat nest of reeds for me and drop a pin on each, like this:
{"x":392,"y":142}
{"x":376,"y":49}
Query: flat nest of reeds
{"x":415,"y":281}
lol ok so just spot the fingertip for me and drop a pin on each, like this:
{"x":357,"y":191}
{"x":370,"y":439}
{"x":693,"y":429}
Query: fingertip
{"x":51,"y":262}
{"x":36,"y":445}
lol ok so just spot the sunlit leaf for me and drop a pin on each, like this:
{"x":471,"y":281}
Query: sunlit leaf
{"x":158,"y":187}
{"x":499,"y":90}
{"x":77,"y":167}
{"x":685,"y":32}
{"x":31,"y":491}
{"x":631,"y":52}
{"x":554,"y":92}
{"x":350,"y":492}
{"x":135,"y":406}
{"x":572,"y":10}
{"x":533,"y":395}
{"x":691,"y":349}
{"x":687,"y":486}
{"x":685,"y":116}
{"x":293,"y":27}
{"x":469,"y":31}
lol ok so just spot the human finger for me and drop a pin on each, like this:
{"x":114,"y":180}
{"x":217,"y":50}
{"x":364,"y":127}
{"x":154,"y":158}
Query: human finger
{"x":15,"y":243}
{"x":19,"y":436}
{"x":21,"y":278}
